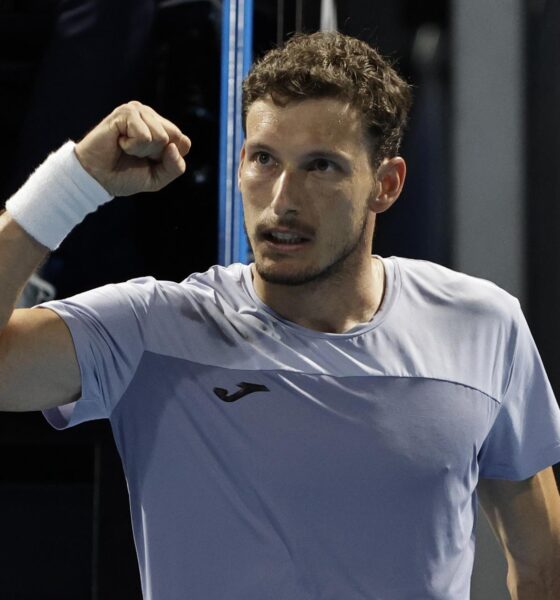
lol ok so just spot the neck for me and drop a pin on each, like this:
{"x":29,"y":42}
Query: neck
{"x":333,"y":305}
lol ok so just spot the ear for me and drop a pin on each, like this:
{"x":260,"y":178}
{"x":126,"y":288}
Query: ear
{"x":389,"y":178}
{"x":241,"y":162}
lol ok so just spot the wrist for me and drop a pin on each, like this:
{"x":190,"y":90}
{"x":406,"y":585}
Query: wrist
{"x":56,"y":197}
{"x":86,"y":161}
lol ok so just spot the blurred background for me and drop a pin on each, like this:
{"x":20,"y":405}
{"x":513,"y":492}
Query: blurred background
{"x":482,"y":196}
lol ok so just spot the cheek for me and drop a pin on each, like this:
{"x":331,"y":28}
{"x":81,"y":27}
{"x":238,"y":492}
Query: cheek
{"x":248,"y":211}
{"x":255,"y":189}
{"x":251,"y":207}
{"x":333,"y":200}
{"x":344,"y":215}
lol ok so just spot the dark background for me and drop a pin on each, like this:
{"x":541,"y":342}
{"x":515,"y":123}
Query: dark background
{"x":64,"y":65}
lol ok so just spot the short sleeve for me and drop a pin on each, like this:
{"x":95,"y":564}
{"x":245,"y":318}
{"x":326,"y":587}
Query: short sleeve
{"x":525,"y":436}
{"x":108,"y":327}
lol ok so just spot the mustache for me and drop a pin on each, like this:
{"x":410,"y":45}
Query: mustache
{"x":285,"y":222}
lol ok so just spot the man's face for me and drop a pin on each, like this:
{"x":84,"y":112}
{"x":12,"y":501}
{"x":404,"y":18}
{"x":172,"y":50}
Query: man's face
{"x":306,"y":182}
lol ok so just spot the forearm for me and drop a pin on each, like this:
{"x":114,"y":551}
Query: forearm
{"x":534,"y":568}
{"x":20,"y":255}
{"x":543,"y":584}
{"x":538,"y":577}
{"x":56,"y":197}
{"x":123,"y":155}
{"x":525,"y":517}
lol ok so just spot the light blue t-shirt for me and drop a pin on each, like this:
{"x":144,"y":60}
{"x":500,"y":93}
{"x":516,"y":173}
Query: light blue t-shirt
{"x":267,"y":461}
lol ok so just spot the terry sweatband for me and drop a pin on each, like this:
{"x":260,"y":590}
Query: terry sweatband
{"x":56,"y":197}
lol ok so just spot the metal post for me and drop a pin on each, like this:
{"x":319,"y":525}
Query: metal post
{"x":237,"y":42}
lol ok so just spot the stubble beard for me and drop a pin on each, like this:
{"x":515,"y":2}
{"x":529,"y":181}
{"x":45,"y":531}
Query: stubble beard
{"x":319,"y":274}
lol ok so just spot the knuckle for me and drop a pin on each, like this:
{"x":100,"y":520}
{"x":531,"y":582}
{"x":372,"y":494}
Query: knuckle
{"x":123,"y":109}
{"x":160,"y":137}
{"x":127,"y":110}
{"x":140,"y":137}
{"x":144,"y":136}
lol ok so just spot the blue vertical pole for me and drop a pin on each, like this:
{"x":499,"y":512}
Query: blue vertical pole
{"x":237,"y":42}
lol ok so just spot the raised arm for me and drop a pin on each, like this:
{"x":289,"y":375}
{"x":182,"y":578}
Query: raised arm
{"x":132,"y":150}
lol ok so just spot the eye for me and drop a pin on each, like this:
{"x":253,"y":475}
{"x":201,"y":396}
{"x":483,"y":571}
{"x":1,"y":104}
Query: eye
{"x":322,"y":164}
{"x":262,"y":158}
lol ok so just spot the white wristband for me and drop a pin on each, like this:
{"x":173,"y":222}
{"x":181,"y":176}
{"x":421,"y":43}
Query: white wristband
{"x":56,"y":197}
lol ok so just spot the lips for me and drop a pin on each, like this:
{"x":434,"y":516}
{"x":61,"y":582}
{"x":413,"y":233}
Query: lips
{"x":282,"y":237}
{"x":285,"y":238}
{"x":286,"y":233}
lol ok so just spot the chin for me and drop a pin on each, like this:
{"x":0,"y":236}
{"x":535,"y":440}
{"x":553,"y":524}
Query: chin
{"x":289,"y":272}
{"x":290,"y":275}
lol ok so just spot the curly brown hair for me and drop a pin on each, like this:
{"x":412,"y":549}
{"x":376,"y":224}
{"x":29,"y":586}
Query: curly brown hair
{"x":331,"y":64}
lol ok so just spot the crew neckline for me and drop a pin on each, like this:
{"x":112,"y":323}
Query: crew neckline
{"x":391,"y":292}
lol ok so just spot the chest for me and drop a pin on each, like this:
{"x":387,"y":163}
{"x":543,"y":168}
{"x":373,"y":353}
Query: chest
{"x":300,"y":435}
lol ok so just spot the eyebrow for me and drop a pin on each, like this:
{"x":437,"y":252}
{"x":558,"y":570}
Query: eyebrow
{"x":316,"y":153}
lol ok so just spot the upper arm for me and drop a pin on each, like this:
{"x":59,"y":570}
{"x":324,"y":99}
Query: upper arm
{"x":38,"y":364}
{"x":525,"y":516}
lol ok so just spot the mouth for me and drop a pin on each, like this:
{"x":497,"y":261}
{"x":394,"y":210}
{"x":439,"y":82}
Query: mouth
{"x":285,"y":240}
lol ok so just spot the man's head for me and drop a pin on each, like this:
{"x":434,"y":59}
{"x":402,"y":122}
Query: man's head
{"x":323,"y":119}
{"x":334,"y":65}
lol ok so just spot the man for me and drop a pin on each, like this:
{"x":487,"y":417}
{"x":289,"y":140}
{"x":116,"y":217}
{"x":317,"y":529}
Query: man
{"x":315,"y":425}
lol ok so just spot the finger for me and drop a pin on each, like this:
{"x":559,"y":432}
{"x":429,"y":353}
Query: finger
{"x":143,"y":134}
{"x":171,"y":166}
{"x":176,"y":136}
{"x":135,"y":134}
{"x":160,"y":138}
{"x":159,"y":124}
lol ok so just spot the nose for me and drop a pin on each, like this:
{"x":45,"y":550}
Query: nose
{"x":285,"y":193}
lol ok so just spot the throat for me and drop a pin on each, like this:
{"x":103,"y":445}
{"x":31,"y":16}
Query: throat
{"x":329,"y":326}
{"x":331,"y":307}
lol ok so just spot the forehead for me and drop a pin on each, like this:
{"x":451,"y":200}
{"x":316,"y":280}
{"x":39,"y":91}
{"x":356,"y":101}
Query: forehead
{"x":321,"y":121}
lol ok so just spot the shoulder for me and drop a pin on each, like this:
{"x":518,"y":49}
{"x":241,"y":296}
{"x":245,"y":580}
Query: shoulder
{"x":201,"y":302}
{"x":219,"y":278}
{"x":217,"y":289}
{"x":189,"y":319}
{"x":455,"y":326}
{"x":427,"y":284}
{"x":148,"y":289}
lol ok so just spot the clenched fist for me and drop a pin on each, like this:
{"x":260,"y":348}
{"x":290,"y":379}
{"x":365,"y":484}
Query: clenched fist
{"x":133,"y":150}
